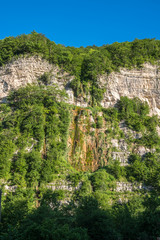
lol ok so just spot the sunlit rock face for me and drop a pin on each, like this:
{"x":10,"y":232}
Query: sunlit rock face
{"x":21,"y":72}
{"x":28,"y":70}
{"x":143,"y":83}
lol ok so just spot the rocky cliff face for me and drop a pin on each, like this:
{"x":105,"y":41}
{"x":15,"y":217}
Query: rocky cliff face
{"x":91,"y":144}
{"x":143,"y":83}
{"x":28,"y":70}
{"x":87,"y":145}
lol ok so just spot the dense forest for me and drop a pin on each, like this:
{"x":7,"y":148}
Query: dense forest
{"x":45,"y":196}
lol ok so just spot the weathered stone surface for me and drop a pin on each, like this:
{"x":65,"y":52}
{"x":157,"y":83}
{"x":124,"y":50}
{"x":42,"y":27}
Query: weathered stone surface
{"x":141,"y":150}
{"x":126,"y":186}
{"x":10,"y":188}
{"x":131,"y":186}
{"x":63,"y":185}
{"x":28,"y":70}
{"x":122,"y":152}
{"x":129,"y":133}
{"x":143,"y":83}
{"x":87,"y":145}
{"x":121,"y":156}
{"x":119,"y":144}
{"x":21,"y":72}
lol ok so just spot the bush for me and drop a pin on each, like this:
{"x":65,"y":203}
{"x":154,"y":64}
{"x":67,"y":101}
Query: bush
{"x":99,"y":122}
{"x":101,"y":180}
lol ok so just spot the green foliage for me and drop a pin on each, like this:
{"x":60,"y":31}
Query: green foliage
{"x":128,"y":217}
{"x":34,"y":162}
{"x":150,"y":140}
{"x":99,"y":122}
{"x":134,"y":112}
{"x":16,"y":206}
{"x":76,"y":85}
{"x":52,"y":198}
{"x":19,"y":168}
{"x":116,"y":169}
{"x":101,"y":180}
{"x":129,"y":108}
{"x":7,"y":148}
{"x":45,"y":78}
{"x":33,"y":146}
{"x":99,"y":224}
{"x":74,"y":178}
{"x":110,"y":114}
{"x":135,"y":219}
{"x":84,"y":63}
{"x":150,"y":221}
{"x":46,"y":223}
{"x":35,"y":122}
{"x":85,"y":189}
{"x":138,"y":170}
{"x":33,"y":94}
{"x":145,"y":169}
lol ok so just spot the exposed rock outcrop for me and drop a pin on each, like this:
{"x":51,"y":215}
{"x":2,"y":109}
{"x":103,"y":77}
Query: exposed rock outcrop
{"x":131,"y":186}
{"x":63,"y":185}
{"x":28,"y":70}
{"x":88,"y":147}
{"x":143,"y":83}
{"x":127,"y":186}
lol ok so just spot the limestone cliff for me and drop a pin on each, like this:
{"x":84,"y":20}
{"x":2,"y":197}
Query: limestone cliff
{"x":28,"y":70}
{"x":143,"y":83}
{"x":92,"y":139}
{"x":89,"y":146}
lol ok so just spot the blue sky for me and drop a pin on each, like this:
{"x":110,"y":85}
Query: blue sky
{"x":82,"y":23}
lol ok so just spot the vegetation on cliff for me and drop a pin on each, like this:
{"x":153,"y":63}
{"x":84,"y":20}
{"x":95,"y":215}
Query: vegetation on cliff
{"x":60,"y":165}
{"x":84,"y":63}
{"x":34,"y":129}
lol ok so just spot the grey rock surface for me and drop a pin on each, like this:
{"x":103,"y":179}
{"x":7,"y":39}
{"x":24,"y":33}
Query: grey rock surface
{"x":143,"y":83}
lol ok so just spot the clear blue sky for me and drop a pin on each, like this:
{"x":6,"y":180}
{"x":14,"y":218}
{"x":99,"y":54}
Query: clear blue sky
{"x":82,"y":23}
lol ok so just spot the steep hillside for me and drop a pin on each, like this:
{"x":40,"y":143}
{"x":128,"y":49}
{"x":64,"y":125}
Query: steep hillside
{"x":89,"y":67}
{"x":142,"y":83}
{"x":79,"y":140}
